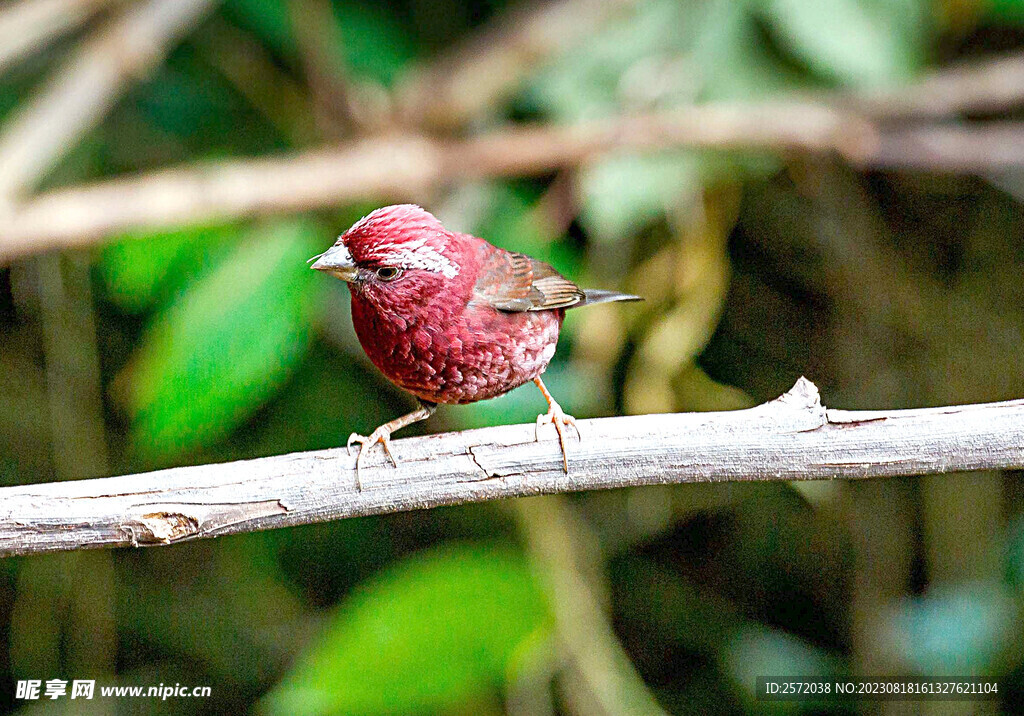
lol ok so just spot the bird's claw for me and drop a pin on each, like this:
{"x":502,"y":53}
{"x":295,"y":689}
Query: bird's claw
{"x":381,"y":435}
{"x":560,"y":420}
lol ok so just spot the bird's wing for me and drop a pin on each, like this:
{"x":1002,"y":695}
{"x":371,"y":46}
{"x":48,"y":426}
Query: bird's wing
{"x":516,"y":282}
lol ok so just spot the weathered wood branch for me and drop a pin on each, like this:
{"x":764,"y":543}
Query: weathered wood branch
{"x":791,"y":438}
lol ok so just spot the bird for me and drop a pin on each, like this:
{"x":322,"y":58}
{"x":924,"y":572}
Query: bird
{"x":449,"y":317}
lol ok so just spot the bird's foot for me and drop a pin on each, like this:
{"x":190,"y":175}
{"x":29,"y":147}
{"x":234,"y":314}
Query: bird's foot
{"x":560,"y":420}
{"x":381,"y":435}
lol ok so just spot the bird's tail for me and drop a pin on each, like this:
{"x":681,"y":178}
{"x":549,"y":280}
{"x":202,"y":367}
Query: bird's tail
{"x":595,"y":295}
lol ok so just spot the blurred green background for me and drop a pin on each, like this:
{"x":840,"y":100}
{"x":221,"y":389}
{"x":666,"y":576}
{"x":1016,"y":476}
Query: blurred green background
{"x":212,"y":342}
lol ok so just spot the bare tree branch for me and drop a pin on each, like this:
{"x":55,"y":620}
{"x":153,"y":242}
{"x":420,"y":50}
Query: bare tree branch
{"x":490,"y":65}
{"x":978,"y":148}
{"x":407,"y":165}
{"x":30,"y":25}
{"x":250,"y":68}
{"x":990,"y":85}
{"x":404,"y":166}
{"x":791,"y":438}
{"x":81,"y":215}
{"x":601,"y":678}
{"x":320,"y":50}
{"x":88,"y":83}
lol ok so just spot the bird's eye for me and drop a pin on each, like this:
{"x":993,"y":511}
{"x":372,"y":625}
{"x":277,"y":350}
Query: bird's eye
{"x":388,"y":273}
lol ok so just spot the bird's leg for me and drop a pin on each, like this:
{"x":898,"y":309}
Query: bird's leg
{"x":382,"y":435}
{"x":558,"y":418}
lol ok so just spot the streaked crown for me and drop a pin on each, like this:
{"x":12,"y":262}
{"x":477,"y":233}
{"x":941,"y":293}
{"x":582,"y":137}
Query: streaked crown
{"x":403,"y":235}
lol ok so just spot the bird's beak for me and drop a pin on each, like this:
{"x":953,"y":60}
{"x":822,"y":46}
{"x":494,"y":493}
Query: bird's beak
{"x":337,"y":261}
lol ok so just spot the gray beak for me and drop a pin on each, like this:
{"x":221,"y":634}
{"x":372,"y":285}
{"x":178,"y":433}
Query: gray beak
{"x":337,"y":261}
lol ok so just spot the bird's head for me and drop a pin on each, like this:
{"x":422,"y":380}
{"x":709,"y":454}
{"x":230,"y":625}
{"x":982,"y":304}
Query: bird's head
{"x":395,"y":254}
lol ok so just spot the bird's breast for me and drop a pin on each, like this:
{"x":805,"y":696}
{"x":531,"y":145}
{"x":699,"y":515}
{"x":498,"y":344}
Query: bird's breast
{"x":459,"y":357}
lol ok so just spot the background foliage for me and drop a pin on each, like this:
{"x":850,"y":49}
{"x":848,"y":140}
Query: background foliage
{"x":213,"y":342}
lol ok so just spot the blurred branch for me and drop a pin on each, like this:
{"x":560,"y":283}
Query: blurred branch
{"x":71,"y":355}
{"x":400,"y":166}
{"x":85,"y":87}
{"x":489,"y":67}
{"x":791,"y":438}
{"x":87,"y":625}
{"x":406,"y":165}
{"x":250,"y":68}
{"x":953,"y":148}
{"x":320,"y":43}
{"x":990,"y":85}
{"x":604,"y":681}
{"x":30,"y":25}
{"x":863,"y":129}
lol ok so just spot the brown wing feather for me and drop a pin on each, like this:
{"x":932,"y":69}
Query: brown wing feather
{"x":516,"y":282}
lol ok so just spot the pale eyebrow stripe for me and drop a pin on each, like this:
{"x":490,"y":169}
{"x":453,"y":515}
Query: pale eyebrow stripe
{"x":418,"y":255}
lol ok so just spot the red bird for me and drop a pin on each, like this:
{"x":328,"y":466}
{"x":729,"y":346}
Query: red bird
{"x":449,"y":317}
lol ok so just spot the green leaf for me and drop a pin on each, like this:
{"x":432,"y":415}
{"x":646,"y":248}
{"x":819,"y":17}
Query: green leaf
{"x":430,"y":633}
{"x":268,"y":19}
{"x":599,"y":76}
{"x":139,"y":269}
{"x":226,"y":344}
{"x":959,"y":629}
{"x":1010,"y":12}
{"x":623,"y":193}
{"x":757,"y":651}
{"x":666,"y":53}
{"x":372,"y":44}
{"x":737,"y":60}
{"x":856,"y":42}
